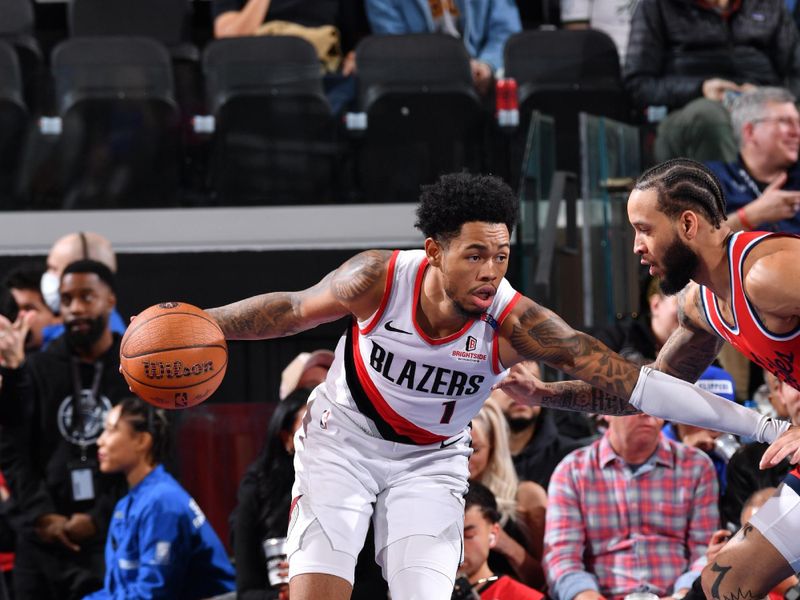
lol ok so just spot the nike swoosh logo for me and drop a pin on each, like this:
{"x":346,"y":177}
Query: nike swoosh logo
{"x":389,"y":327}
{"x":446,"y":444}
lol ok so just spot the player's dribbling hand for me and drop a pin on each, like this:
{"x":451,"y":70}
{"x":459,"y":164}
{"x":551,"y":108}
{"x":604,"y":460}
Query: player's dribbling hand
{"x":787,"y":445}
{"x":523,"y":385}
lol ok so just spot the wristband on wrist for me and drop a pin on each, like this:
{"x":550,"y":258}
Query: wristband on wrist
{"x":746,"y":224}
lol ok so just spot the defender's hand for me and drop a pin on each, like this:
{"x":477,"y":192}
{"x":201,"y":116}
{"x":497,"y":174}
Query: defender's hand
{"x":787,"y":445}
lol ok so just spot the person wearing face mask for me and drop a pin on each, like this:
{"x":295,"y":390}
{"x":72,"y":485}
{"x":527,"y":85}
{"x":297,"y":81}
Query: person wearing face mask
{"x":67,"y":249}
{"x":52,"y":407}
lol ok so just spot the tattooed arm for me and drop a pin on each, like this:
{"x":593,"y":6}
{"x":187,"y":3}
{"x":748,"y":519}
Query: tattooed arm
{"x":693,"y":346}
{"x":356,"y":288}
{"x":608,"y":379}
{"x":533,"y":332}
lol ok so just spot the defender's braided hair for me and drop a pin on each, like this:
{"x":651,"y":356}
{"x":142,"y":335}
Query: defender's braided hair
{"x":685,"y":184}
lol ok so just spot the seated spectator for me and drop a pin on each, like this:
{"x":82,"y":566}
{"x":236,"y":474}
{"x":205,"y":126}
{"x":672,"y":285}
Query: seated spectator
{"x":522,"y":505}
{"x":52,"y":406}
{"x":640,"y":338}
{"x":717,"y":381}
{"x":24,"y":300}
{"x":743,"y":473}
{"x":535,"y":442}
{"x":767,"y":398}
{"x":688,"y":54}
{"x":613,"y":18}
{"x":66,"y":250}
{"x":265,"y":495}
{"x":481,"y":530}
{"x":159,"y":544}
{"x":328,"y":25}
{"x":262,"y":512}
{"x":632,"y":512}
{"x":484,"y":25}
{"x":306,"y":371}
{"x":762,"y":186}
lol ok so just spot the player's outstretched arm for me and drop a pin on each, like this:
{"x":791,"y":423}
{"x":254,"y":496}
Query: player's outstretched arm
{"x":533,"y":332}
{"x":688,"y":352}
{"x":354,"y":288}
{"x":536,"y":333}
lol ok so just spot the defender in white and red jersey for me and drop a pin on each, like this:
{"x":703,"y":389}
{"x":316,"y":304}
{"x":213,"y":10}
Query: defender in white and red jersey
{"x":386,"y":436}
{"x":738,"y":287}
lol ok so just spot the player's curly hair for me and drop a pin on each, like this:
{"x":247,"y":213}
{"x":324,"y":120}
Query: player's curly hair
{"x":685,"y":184}
{"x":460,"y":198}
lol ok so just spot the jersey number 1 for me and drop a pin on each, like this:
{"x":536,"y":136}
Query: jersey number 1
{"x":449,"y":409}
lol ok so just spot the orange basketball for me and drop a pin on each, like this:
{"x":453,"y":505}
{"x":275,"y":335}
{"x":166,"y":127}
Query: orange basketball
{"x":173,"y":355}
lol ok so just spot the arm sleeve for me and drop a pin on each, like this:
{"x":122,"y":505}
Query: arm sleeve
{"x":385,"y":18}
{"x":565,"y":538}
{"x":503,"y":23}
{"x":704,"y":520}
{"x":667,"y":397}
{"x":644,"y":63}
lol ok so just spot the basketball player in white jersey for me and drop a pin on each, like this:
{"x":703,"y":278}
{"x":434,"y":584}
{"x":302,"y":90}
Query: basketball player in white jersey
{"x":386,"y":436}
{"x":741,"y":288}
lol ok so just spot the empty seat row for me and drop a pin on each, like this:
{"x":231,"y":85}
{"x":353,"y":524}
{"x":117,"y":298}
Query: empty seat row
{"x":125,"y":141}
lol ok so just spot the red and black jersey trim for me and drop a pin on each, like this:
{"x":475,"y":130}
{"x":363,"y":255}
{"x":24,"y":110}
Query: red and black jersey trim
{"x":366,"y":402}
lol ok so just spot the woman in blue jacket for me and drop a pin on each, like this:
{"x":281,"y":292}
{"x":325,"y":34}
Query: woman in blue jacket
{"x":159,"y":544}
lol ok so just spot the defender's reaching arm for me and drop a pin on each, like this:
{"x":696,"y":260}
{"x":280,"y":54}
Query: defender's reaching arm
{"x":622,"y":387}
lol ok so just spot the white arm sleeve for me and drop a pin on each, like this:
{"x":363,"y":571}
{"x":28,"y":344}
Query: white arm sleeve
{"x":667,"y":397}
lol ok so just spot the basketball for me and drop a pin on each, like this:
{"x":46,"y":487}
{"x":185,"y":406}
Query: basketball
{"x":173,"y":355}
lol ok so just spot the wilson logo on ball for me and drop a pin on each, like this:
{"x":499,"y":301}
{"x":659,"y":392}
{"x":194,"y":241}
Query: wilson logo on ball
{"x":157,"y":369}
{"x":173,"y":355}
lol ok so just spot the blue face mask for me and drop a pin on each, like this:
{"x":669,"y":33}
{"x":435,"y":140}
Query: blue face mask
{"x":49,"y":285}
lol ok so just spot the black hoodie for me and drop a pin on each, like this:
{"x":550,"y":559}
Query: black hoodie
{"x":38,"y":445}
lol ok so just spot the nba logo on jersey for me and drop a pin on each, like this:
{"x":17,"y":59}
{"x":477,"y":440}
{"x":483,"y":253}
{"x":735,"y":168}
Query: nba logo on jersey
{"x":472,"y":343}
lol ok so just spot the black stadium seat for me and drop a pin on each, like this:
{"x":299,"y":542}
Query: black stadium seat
{"x":16,"y":28}
{"x":162,"y":20}
{"x":13,"y":120}
{"x":564,"y":72}
{"x":424,"y":116}
{"x":275,"y":140}
{"x":120,"y":131}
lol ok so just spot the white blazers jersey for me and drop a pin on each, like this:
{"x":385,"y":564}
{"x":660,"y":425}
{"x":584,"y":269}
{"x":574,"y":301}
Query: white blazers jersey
{"x":414,"y":389}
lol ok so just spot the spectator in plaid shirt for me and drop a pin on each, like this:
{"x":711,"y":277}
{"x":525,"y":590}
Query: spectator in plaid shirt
{"x":631,"y":512}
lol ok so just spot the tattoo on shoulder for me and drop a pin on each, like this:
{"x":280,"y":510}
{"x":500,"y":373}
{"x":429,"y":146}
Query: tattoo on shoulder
{"x":359,"y":273}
